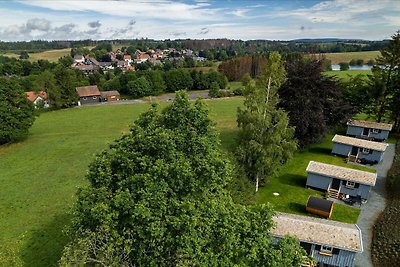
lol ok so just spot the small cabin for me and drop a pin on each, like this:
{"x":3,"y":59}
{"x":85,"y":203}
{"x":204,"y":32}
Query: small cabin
{"x":330,"y":243}
{"x":358,"y":150}
{"x":88,"y":94}
{"x":319,"y":206}
{"x":373,"y":131}
{"x":340,"y":182}
{"x":110,"y":96}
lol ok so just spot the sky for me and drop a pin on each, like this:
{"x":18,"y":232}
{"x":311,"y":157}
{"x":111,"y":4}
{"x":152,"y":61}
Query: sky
{"x":198,"y":19}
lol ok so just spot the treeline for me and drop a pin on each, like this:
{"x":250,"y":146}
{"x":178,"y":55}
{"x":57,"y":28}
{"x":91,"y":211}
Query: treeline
{"x":236,"y":68}
{"x":230,"y":47}
{"x":155,"y":82}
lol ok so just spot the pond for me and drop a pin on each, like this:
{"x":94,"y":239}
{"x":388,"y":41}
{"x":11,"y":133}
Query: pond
{"x":363,"y":67}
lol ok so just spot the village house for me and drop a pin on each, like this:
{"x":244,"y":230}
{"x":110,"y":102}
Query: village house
{"x":38,"y":98}
{"x":110,"y":96}
{"x":358,"y":150}
{"x":79,"y":59}
{"x":330,"y":243}
{"x":374,"y":131}
{"x":88,"y":94}
{"x":340,"y":182}
{"x":106,"y":66}
{"x":128,"y":59}
{"x":87,"y":69}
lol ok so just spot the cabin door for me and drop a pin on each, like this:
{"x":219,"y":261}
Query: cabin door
{"x":354,"y":151}
{"x":366,"y":131}
{"x":335,"y":184}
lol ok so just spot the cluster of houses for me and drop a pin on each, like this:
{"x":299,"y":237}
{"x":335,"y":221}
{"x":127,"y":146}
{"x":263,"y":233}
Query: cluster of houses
{"x":330,"y":243}
{"x":126,"y":62}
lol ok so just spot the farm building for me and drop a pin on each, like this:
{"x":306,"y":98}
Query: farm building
{"x":373,"y":131}
{"x":358,"y":150}
{"x":340,"y":181}
{"x":319,"y":206}
{"x":110,"y":95}
{"x":88,"y":94}
{"x":330,"y":243}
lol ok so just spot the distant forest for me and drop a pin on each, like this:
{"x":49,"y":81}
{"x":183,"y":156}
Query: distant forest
{"x":232,"y":47}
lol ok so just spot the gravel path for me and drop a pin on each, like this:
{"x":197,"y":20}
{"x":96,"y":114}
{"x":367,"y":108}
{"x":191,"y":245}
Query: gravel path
{"x":371,"y":210}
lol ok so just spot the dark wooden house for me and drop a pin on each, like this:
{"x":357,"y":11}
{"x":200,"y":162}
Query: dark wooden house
{"x":88,"y":94}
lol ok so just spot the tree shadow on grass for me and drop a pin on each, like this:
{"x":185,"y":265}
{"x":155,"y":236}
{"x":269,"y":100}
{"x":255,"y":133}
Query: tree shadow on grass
{"x":320,"y":150}
{"x":298,"y":208}
{"x":293,"y":179}
{"x":45,"y":246}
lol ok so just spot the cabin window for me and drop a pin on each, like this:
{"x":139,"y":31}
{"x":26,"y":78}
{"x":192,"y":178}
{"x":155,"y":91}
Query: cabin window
{"x":84,"y":98}
{"x":95,"y":97}
{"x":326,"y":250}
{"x":376,"y":130}
{"x":350,"y":184}
{"x":366,"y":150}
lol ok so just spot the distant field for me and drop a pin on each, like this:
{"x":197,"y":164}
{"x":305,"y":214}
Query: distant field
{"x":346,"y":74}
{"x":336,"y":58}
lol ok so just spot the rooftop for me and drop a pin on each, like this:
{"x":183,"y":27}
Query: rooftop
{"x":109,"y":93}
{"x":88,"y":91}
{"x":342,"y":173}
{"x":31,"y":95}
{"x":370,"y":124}
{"x":359,"y":142}
{"x":318,"y":231}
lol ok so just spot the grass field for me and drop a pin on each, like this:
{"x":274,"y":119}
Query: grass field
{"x":346,"y":74}
{"x":336,"y":58}
{"x":50,"y":55}
{"x":40,"y":175}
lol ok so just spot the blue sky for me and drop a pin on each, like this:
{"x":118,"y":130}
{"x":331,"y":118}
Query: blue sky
{"x":198,"y":19}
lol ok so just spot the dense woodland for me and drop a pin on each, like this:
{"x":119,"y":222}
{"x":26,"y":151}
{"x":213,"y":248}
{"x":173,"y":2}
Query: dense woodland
{"x":212,"y":46}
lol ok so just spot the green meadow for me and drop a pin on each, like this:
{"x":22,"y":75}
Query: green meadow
{"x":40,"y":176}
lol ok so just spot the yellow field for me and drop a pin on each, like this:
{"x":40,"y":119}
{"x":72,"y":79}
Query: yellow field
{"x":336,"y":58}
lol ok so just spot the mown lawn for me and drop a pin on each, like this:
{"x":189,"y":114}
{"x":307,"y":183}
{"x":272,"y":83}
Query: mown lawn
{"x":346,"y":74}
{"x":336,"y":58}
{"x":290,"y":183}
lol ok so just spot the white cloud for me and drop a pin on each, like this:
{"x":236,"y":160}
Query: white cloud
{"x":159,"y":9}
{"x":241,"y":12}
{"x":341,"y":11}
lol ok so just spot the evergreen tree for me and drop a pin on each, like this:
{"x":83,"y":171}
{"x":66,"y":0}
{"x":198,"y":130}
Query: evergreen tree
{"x":266,"y":141}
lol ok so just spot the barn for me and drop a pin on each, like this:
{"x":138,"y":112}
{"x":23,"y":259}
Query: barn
{"x":88,"y":94}
{"x":358,"y":150}
{"x":373,"y":131}
{"x":110,"y":96}
{"x":339,"y":181}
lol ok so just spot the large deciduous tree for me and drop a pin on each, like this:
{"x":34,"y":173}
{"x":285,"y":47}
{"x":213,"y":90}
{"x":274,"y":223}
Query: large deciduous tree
{"x":157,"y":198}
{"x":314,"y":102}
{"x":16,"y":111}
{"x":266,"y":141}
{"x":384,"y":82}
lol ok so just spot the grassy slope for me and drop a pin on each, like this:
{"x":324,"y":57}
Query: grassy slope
{"x":336,"y":58}
{"x":347,"y":73}
{"x":50,"y":55}
{"x":40,"y":176}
